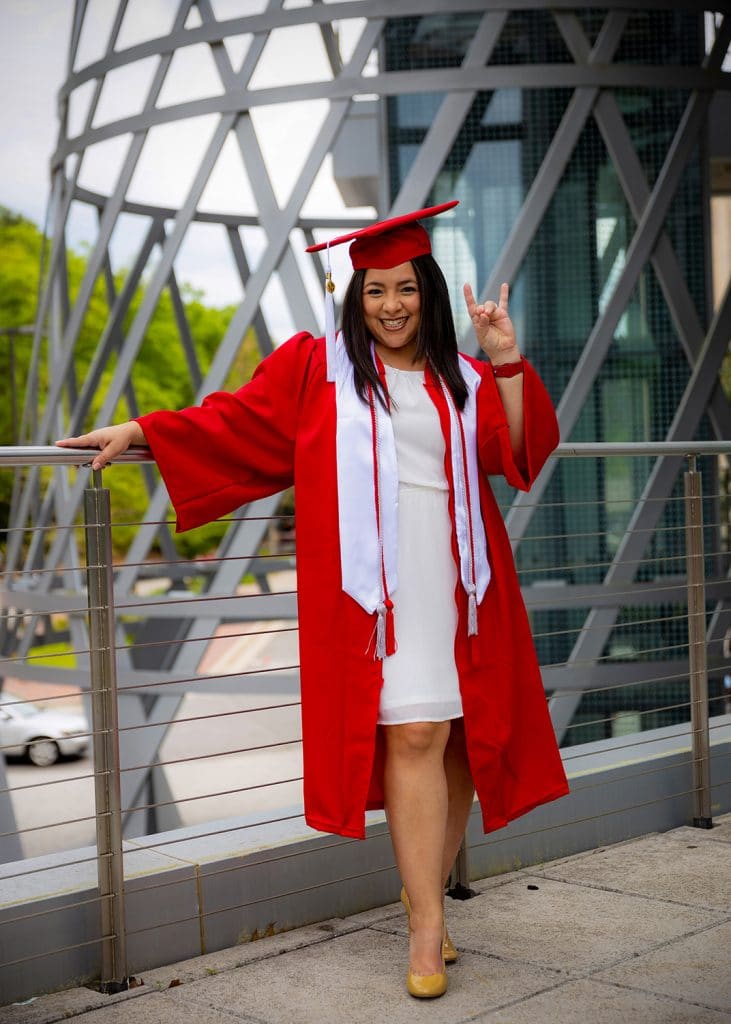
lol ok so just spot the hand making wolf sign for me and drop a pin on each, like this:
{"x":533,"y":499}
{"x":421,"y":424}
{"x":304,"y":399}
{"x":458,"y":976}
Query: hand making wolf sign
{"x":493,"y":327}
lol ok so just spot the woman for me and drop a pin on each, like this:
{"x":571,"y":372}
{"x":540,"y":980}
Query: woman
{"x":418,"y":675}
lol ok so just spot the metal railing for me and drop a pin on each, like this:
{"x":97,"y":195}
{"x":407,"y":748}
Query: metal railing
{"x":598,"y":586}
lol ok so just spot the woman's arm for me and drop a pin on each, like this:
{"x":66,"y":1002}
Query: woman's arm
{"x":111,"y":441}
{"x":232,"y":448}
{"x":496,"y":337}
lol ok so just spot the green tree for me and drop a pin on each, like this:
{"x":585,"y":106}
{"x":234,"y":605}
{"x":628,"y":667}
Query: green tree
{"x":160,"y":375}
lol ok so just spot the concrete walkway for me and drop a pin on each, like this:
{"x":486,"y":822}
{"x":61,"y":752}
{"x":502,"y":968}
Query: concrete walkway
{"x":637,"y":932}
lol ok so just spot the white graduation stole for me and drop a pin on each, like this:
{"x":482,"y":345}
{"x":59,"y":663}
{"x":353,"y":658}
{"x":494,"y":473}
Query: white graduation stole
{"x":367,"y":474}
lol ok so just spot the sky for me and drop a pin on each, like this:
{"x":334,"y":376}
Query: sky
{"x":34,"y":36}
{"x":33,"y":48}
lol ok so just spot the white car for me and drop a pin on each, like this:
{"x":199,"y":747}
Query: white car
{"x":27,"y":730}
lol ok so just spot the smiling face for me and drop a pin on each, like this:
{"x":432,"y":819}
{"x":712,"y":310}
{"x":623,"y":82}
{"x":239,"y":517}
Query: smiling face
{"x":392,"y":311}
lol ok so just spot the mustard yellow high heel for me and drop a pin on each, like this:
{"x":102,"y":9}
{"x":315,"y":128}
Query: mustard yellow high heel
{"x":427,"y":986}
{"x":450,"y":953}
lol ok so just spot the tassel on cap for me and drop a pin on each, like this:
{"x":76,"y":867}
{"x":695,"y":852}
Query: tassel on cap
{"x":329,"y":319}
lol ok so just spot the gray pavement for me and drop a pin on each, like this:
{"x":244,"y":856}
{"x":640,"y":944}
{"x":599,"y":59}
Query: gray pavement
{"x":640,"y":931}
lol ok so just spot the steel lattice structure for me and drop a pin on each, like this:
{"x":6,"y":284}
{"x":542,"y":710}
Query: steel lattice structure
{"x":592,"y":77}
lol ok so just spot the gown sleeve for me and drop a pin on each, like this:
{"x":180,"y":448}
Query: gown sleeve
{"x":234,"y":447}
{"x":493,"y":437}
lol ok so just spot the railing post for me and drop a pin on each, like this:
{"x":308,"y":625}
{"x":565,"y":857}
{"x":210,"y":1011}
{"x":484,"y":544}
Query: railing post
{"x":695,"y":568}
{"x":97,"y":520}
{"x":458,"y":886}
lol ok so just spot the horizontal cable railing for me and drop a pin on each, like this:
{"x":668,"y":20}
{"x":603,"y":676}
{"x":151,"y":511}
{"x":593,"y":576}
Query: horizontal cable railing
{"x":168,"y":655}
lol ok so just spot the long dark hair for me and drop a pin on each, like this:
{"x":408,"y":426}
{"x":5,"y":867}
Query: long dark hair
{"x":436,"y":339}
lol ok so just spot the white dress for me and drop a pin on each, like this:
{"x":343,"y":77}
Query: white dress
{"x":420,"y":681}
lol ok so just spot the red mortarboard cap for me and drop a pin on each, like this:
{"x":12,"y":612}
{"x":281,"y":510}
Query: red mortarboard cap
{"x":389,"y":242}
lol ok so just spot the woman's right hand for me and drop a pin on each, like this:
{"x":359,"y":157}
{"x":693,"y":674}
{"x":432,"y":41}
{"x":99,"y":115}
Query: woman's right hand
{"x":111,"y":441}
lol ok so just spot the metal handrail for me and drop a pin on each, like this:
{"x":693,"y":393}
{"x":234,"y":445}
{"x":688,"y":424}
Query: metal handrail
{"x":50,"y":455}
{"x":105,"y":731}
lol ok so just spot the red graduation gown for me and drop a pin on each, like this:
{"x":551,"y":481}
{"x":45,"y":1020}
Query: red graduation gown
{"x":280,"y":429}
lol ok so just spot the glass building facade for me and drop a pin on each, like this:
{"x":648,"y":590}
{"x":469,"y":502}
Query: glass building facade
{"x":560,"y":291}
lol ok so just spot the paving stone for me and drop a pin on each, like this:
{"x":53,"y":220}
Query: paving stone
{"x":157,"y":1009}
{"x":697,"y":968}
{"x":249,"y":952}
{"x":577,"y":1002}
{"x":359,"y":978}
{"x":52,"y":1007}
{"x":657,"y":866}
{"x":572,"y":928}
{"x":369,"y":917}
{"x":493,"y":882}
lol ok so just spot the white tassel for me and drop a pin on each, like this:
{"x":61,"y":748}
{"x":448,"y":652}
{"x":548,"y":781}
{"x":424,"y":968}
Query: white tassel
{"x":329,"y":319}
{"x":381,"y":632}
{"x":471,"y":611}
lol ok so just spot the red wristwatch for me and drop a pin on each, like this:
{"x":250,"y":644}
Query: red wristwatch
{"x":508,"y":369}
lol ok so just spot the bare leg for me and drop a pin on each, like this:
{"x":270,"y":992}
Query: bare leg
{"x":461,"y":792}
{"x":416,"y":792}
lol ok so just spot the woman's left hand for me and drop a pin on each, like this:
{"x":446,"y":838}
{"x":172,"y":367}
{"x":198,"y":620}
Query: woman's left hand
{"x":493,"y":327}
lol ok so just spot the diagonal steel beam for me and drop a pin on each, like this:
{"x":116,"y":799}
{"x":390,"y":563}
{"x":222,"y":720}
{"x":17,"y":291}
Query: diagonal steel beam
{"x":238,"y":546}
{"x":76,"y":26}
{"x":92,"y":271}
{"x":24,"y":491}
{"x":10,"y":845}
{"x":148,"y":473}
{"x":141,"y":734}
{"x":242,"y":266}
{"x":111,"y":335}
{"x":107,"y":342}
{"x":549,"y":174}
{"x":637,"y":192}
{"x":294,"y":287}
{"x":448,"y":122}
{"x":638,"y":252}
{"x":332,"y":47}
{"x":186,"y":338}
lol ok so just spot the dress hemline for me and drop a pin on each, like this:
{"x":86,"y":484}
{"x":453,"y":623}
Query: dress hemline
{"x":424,"y":718}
